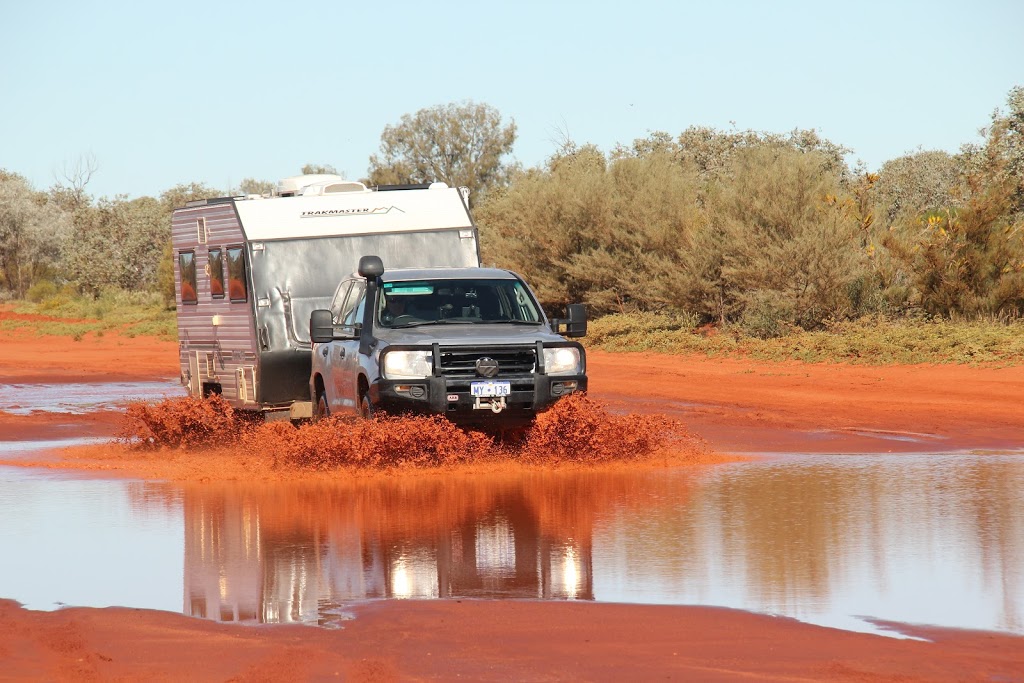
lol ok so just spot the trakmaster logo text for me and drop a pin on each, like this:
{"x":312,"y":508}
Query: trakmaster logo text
{"x":350,"y":212}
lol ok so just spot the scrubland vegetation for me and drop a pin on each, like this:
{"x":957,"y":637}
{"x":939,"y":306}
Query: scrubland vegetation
{"x":714,"y":241}
{"x":68,"y":312}
{"x":870,"y":340}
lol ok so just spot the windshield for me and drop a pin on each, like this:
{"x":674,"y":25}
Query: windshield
{"x":426,"y":302}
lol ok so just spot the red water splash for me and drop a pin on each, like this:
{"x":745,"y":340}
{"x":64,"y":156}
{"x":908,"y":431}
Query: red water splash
{"x":180,"y":423}
{"x":377,"y":443}
{"x":577,"y":429}
{"x":580,"y":429}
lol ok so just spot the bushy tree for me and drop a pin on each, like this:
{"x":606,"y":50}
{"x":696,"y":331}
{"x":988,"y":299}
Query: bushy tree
{"x":771,"y":234}
{"x":32,"y":228}
{"x":710,"y":151}
{"x":183,"y":193}
{"x":536,"y":225}
{"x":70,"y":189}
{"x":461,"y":144}
{"x":784,"y":247}
{"x":966,"y":256}
{"x":969,"y":260}
{"x":125,"y":243}
{"x":254,"y":186}
{"x":165,"y":275}
{"x":606,"y":233}
{"x":317,"y":169}
{"x":118,"y":243}
{"x":914,"y":184}
{"x":999,"y":159}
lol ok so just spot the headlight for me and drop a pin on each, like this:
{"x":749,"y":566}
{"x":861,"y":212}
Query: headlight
{"x":407,"y":365}
{"x":562,"y":361}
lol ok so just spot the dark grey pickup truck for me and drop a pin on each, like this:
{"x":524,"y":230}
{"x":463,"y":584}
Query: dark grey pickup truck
{"x":471,"y":344}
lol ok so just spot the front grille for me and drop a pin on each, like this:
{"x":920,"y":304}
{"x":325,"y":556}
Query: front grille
{"x":460,"y":363}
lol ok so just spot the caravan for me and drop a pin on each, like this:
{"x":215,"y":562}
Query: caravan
{"x":249,"y":270}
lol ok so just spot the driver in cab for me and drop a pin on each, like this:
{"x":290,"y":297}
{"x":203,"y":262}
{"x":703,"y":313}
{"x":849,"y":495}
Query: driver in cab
{"x":394,"y":307}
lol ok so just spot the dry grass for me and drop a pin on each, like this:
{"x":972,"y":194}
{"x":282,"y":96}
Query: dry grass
{"x":67,"y":314}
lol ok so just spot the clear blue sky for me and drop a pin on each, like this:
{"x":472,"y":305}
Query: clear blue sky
{"x":165,"y":93}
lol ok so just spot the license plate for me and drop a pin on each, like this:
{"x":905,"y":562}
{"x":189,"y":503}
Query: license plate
{"x":490,"y":388}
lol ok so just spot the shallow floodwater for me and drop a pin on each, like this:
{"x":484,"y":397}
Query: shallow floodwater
{"x":82,"y":397}
{"x":832,"y":540}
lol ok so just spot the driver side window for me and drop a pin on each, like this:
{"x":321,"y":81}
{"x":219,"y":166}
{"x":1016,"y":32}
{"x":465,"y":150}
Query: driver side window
{"x":352,"y":311}
{"x":339,"y":300}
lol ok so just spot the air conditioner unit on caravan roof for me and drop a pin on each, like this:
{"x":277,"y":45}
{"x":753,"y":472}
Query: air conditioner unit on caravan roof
{"x":333,"y":187}
{"x":290,"y":187}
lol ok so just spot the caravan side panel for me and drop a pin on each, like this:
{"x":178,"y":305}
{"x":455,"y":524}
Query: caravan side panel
{"x":216,"y":333}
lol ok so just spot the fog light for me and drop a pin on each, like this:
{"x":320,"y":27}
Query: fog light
{"x":561,"y":388}
{"x":417,"y":392}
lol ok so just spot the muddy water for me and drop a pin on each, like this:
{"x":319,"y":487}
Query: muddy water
{"x":80,"y":398}
{"x":833,"y":540}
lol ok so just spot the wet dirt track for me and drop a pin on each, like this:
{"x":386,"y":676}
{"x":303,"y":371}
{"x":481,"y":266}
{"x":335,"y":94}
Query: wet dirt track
{"x":688,"y":534}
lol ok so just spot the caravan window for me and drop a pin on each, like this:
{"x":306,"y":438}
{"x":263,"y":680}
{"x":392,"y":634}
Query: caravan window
{"x":187,"y":268}
{"x":215,"y":268}
{"x":237,"y":288}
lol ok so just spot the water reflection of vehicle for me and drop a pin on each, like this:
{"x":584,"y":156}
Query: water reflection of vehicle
{"x":296,"y":556}
{"x":920,"y":539}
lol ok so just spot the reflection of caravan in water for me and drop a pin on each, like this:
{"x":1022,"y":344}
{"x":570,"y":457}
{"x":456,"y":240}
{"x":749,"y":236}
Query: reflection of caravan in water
{"x":249,"y":271}
{"x":287,"y":558}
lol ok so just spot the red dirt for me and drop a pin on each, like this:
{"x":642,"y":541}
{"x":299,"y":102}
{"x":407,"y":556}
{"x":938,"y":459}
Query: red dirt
{"x":487,"y":641}
{"x":746,"y":405}
{"x":30,"y":358}
{"x":737,"y":405}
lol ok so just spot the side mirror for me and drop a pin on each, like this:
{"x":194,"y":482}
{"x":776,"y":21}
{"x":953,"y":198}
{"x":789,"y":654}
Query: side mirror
{"x":577,"y":326}
{"x":371,"y":267}
{"x":321,"y":326}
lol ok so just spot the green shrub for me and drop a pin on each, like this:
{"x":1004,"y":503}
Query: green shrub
{"x":40,"y":291}
{"x":767,"y":315}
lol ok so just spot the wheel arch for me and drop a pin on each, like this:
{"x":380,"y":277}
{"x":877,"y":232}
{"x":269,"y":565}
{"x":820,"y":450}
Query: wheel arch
{"x":317,"y":385}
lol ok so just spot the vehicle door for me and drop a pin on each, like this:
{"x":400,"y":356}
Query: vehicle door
{"x":351,"y":325}
{"x":348,"y":348}
{"x":329,"y":354}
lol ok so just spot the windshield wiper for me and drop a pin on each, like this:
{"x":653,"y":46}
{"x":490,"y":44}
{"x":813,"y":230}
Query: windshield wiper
{"x":445,"y":321}
{"x":512,"y":322}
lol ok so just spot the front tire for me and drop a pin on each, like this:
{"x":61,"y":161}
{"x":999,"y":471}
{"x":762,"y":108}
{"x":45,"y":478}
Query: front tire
{"x":366,"y":409}
{"x":321,"y":410}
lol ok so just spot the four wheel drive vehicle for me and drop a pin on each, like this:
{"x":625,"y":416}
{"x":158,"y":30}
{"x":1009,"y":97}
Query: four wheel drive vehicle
{"x":472,"y":344}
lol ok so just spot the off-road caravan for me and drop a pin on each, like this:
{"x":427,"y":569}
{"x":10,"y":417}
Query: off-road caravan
{"x":249,"y":270}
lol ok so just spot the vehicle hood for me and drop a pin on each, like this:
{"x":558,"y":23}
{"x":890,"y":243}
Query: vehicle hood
{"x":464,"y":335}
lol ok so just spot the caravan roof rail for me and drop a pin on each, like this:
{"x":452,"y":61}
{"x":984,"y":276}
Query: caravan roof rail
{"x":213,"y":200}
{"x":411,"y":186}
{"x":405,"y":186}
